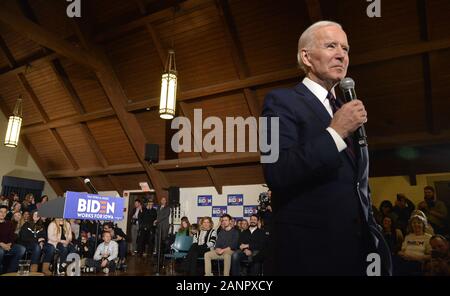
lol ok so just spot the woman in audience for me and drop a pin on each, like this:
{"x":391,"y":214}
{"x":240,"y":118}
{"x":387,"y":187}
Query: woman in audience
{"x":17,"y":223}
{"x":392,"y":235}
{"x":28,"y":203}
{"x":185,"y":227}
{"x":428,"y":229}
{"x":415,"y":248}
{"x":4,"y":201}
{"x":59,"y":235}
{"x":204,"y":241}
{"x":16,"y":208}
{"x":32,"y":236}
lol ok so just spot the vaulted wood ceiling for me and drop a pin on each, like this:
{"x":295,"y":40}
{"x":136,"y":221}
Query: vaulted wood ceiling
{"x":91,"y":85}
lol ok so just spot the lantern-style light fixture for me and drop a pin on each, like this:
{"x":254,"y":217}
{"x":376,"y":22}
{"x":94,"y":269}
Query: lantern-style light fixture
{"x":168,"y":88}
{"x":14,"y":125}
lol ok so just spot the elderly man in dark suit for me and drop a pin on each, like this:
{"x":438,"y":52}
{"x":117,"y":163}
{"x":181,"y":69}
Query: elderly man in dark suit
{"x":323,"y":222}
{"x":162,"y":225}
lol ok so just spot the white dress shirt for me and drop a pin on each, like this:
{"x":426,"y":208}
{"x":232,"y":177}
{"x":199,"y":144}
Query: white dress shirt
{"x":321,"y":93}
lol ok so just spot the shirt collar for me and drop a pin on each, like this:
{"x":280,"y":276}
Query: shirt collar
{"x":318,"y":90}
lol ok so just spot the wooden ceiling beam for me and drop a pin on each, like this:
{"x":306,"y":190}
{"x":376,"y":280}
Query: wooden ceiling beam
{"x":215,"y":179}
{"x":64,"y":149}
{"x":293,"y":73}
{"x":69,"y":120}
{"x":36,"y":33}
{"x":38,"y":60}
{"x":7,"y":53}
{"x":115,"y":184}
{"x":64,"y":81}
{"x":98,"y":171}
{"x":29,"y":90}
{"x":186,"y":7}
{"x":113,"y":89}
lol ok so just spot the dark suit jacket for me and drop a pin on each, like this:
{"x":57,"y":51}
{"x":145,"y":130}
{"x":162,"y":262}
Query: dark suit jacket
{"x":323,"y":221}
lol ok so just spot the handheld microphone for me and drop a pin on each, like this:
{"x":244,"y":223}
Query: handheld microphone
{"x":347,"y":86}
{"x":89,"y":184}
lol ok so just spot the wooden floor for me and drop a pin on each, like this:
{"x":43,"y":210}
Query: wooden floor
{"x":136,"y":266}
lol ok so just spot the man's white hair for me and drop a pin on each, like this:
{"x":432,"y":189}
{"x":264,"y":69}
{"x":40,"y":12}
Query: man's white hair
{"x":307,"y":38}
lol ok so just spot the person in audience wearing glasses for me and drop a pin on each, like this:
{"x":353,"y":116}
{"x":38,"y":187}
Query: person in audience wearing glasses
{"x":7,"y":245}
{"x":226,"y":244}
{"x":251,"y":241}
{"x":59,"y":235}
{"x":105,"y":255}
{"x":203,"y":241}
{"x":33,"y":236}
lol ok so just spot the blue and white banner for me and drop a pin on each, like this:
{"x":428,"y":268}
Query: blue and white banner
{"x":92,"y":207}
{"x":218,"y":211}
{"x":235,"y":199}
{"x":250,"y":210}
{"x":204,"y":200}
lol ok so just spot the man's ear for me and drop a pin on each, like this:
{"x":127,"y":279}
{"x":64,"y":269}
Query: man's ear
{"x":305,"y":57}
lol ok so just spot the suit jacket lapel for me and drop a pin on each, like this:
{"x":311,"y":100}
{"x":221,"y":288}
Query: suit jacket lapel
{"x":318,"y":108}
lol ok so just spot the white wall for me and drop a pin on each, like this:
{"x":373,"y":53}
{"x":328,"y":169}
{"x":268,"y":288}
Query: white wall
{"x":17,"y":162}
{"x":188,"y":200}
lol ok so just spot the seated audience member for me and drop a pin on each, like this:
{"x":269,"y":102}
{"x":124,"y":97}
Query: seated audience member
{"x":86,"y":247}
{"x":403,"y":209}
{"x":4,"y":201}
{"x":435,"y":209}
{"x":16,"y":208}
{"x":392,"y":235}
{"x":439,"y":264}
{"x":415,"y":249}
{"x":194,"y":229}
{"x":7,"y":245}
{"x":120,"y":238}
{"x":185,"y":227}
{"x":32,"y":236}
{"x":244,"y":225}
{"x":386,"y":209}
{"x":226,"y":243}
{"x":105,"y":255}
{"x":59,"y":234}
{"x":428,"y":229}
{"x":203,"y":241}
{"x":251,"y":241}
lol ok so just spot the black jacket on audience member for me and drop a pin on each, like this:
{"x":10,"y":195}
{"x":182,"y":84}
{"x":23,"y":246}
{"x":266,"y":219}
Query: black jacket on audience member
{"x":30,"y":233}
{"x":146,"y":218}
{"x":255,"y":240}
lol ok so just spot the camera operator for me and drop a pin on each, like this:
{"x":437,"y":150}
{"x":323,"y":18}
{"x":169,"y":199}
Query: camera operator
{"x":265,"y":210}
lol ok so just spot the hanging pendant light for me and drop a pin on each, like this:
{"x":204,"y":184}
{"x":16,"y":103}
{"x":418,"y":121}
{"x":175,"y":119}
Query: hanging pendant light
{"x":14,"y":124}
{"x":168,"y":88}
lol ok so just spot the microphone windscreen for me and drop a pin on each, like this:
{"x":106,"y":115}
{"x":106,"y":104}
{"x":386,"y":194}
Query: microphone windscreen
{"x":87,"y":181}
{"x":347,"y":83}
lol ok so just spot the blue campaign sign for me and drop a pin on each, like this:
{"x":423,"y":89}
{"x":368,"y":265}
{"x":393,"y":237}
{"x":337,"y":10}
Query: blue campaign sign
{"x":250,"y":210}
{"x":204,"y":200}
{"x":235,"y":199}
{"x":92,"y":207}
{"x":218,"y":211}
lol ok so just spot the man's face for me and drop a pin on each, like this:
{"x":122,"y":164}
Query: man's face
{"x":253,"y":221}
{"x":136,"y":204}
{"x":244,"y":224}
{"x":439,"y":246}
{"x":328,"y":54}
{"x":429,"y":194}
{"x":2,"y":213}
{"x":225,"y":222}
